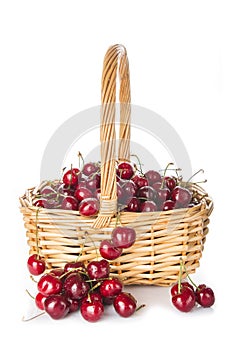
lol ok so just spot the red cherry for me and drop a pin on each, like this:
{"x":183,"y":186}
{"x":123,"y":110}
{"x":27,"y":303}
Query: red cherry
{"x":182,"y":196}
{"x":168,"y":205}
{"x":98,"y":269}
{"x":89,"y":207}
{"x":140,"y":181}
{"x":74,"y":304}
{"x":157,"y":185}
{"x":170,"y":182}
{"x":82,"y":193}
{"x":163,"y":194}
{"x":71,"y":177}
{"x":124,"y":304}
{"x":111,"y":288}
{"x":36,"y":265}
{"x":90,"y":168}
{"x":48,"y":192}
{"x":69,"y":203}
{"x":148,"y":206}
{"x":129,"y":189}
{"x":39,"y":301}
{"x":92,"y":311}
{"x":108,"y":250}
{"x":94,"y":296}
{"x":49,"y":284}
{"x":40,"y":203}
{"x":134,"y":205}
{"x":175,"y":287}
{"x":185,"y":300}
{"x":153,"y":176}
{"x":93,"y":182}
{"x":65,"y":190}
{"x":70,"y":266}
{"x":123,"y":237}
{"x":205,"y":296}
{"x":125,"y":171}
{"x":75,"y":287}
{"x":57,"y":306}
{"x":147,"y":193}
{"x":57,"y":272}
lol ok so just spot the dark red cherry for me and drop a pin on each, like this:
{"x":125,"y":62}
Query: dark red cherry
{"x":75,"y":287}
{"x":124,"y":304}
{"x":185,"y":300}
{"x":69,"y":203}
{"x":71,"y":177}
{"x":57,"y":272}
{"x":205,"y":296}
{"x":130,"y":189}
{"x":48,"y":192}
{"x":49,"y":284}
{"x":108,"y":250}
{"x":40,"y":203}
{"x":73,"y":266}
{"x":157,"y":185}
{"x":125,"y":171}
{"x":82,"y":193}
{"x":170,"y":182}
{"x":153,"y":176}
{"x":147,"y":193}
{"x":93,"y":296}
{"x":175,"y":287}
{"x":140,"y":181}
{"x":92,"y":311}
{"x":89,"y":207}
{"x":111,"y":288}
{"x":148,"y":206}
{"x":57,"y":306}
{"x":36,"y":265}
{"x":163,"y":194}
{"x":93,"y":182}
{"x":181,"y":196}
{"x":120,"y":194}
{"x":123,"y":237}
{"x":90,"y":168}
{"x":66,"y":190}
{"x":134,"y":205}
{"x":74,"y":304}
{"x":98,"y":269}
{"x":168,"y":205}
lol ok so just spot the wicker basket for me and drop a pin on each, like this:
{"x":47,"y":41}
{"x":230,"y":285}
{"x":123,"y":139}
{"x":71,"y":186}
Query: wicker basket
{"x":162,"y":237}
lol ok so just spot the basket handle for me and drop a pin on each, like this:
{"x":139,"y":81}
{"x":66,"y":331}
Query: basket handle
{"x":115,"y":66}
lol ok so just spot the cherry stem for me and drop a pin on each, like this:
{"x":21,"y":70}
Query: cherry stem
{"x":140,"y":307}
{"x":31,"y":296}
{"x":190,"y":279}
{"x":139,"y":163}
{"x":180,"y":275}
{"x":189,"y":180}
{"x":118,"y":219}
{"x":80,"y":157}
{"x":164,"y":174}
{"x":32,"y":318}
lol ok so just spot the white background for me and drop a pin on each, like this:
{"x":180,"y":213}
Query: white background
{"x":181,"y":63}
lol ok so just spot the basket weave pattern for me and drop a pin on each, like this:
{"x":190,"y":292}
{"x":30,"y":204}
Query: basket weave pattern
{"x":162,"y":237}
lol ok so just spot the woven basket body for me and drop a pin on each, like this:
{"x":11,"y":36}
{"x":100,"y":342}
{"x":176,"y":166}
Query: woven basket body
{"x":162,"y":237}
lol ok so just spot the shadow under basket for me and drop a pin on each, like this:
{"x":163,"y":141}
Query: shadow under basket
{"x":154,"y":259}
{"x":163,"y":237}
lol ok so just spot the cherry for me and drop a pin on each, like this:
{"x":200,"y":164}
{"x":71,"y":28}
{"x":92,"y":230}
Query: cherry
{"x":175,"y":287}
{"x":184,"y":300}
{"x":134,"y":205}
{"x":82,"y":193}
{"x":90,"y":168}
{"x":40,"y":203}
{"x":74,"y":304}
{"x":49,"y":284}
{"x":123,"y":237}
{"x":48,"y":192}
{"x":75,"y":287}
{"x":120,"y":193}
{"x":168,"y":205}
{"x":157,"y":185}
{"x":124,"y":304}
{"x":70,"y":266}
{"x":57,"y":272}
{"x":182,"y":196}
{"x":163,"y":194}
{"x":170,"y":182}
{"x":130,"y":189}
{"x":125,"y":171}
{"x":205,"y":296}
{"x":89,"y":207}
{"x":57,"y":306}
{"x":147,"y":193}
{"x":98,"y":269}
{"x":108,"y":250}
{"x":69,"y":203}
{"x":53,"y":203}
{"x":140,"y":181}
{"x":71,"y":177}
{"x":153,"y":176}
{"x":111,"y":288}
{"x":93,"y":182}
{"x":36,"y":265}
{"x":65,"y":190}
{"x":148,"y":206}
{"x":92,"y":311}
{"x":39,"y":301}
{"x":93,"y":296}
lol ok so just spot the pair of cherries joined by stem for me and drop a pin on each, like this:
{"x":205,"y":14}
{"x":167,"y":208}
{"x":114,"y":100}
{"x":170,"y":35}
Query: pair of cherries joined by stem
{"x":186,"y":295}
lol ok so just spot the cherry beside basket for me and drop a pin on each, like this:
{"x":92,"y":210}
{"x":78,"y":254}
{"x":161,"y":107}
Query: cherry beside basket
{"x":163,"y":237}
